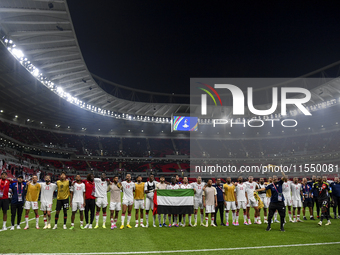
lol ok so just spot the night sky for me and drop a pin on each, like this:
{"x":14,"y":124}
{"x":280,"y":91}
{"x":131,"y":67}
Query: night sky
{"x":159,"y":45}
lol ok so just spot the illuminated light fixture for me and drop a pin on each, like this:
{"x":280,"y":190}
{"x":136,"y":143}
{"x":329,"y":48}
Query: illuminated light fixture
{"x":35,"y":72}
{"x":40,"y":122}
{"x":16,"y":116}
{"x":18,"y":53}
{"x":28,"y":119}
{"x":1,"y":110}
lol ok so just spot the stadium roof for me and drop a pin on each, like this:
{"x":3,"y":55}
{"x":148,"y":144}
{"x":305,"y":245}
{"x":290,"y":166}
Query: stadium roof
{"x":43,"y":31}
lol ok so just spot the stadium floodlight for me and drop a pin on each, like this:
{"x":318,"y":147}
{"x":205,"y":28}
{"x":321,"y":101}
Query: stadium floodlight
{"x":17,"y":53}
{"x":35,"y":72}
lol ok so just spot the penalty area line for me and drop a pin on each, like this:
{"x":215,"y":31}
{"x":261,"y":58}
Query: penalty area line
{"x":186,"y":251}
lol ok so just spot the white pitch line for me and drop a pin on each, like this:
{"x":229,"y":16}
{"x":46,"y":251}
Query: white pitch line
{"x":184,"y":251}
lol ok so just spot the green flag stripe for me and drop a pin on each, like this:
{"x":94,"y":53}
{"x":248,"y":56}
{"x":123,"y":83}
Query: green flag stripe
{"x":175,"y":192}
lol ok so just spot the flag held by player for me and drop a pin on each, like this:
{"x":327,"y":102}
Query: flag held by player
{"x":180,"y":201}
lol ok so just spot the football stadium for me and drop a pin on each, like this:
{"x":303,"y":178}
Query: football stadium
{"x":160,"y":127}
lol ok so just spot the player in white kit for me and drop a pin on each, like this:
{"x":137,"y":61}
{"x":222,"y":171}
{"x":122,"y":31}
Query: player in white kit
{"x":101,"y":197}
{"x":77,"y":200}
{"x":149,"y":189}
{"x":173,"y":185}
{"x":286,"y":191}
{"x":186,"y":185}
{"x":252,"y":202}
{"x":128,"y":188}
{"x":46,"y":199}
{"x":161,"y":185}
{"x":115,"y":204}
{"x":209,"y":202}
{"x":198,"y":199}
{"x":296,"y":197}
{"x":241,"y":200}
{"x":263,"y":197}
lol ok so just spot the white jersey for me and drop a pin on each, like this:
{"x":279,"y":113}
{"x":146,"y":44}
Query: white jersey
{"x":186,"y":186}
{"x":286,"y":189}
{"x":78,"y":192}
{"x":47,"y":192}
{"x":170,"y":186}
{"x":128,"y":188}
{"x":150,"y":186}
{"x":251,"y":187}
{"x":296,"y":188}
{"x":261,"y":186}
{"x":161,"y":186}
{"x":240,"y":190}
{"x":199,"y":190}
{"x":100,"y":188}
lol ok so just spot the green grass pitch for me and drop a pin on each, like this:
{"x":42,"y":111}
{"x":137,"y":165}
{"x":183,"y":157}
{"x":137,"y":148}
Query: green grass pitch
{"x":169,"y":239}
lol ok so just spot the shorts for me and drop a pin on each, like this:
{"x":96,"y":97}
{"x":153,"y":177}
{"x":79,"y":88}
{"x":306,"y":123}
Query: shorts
{"x":307,"y":203}
{"x":149,"y":204}
{"x":265,"y":202}
{"x":101,"y":202}
{"x":230,"y":205}
{"x":115,"y":206}
{"x":252,"y":202}
{"x":4,"y":205}
{"x":44,"y":206}
{"x":198,"y":204}
{"x":241,"y":204}
{"x":323,"y":203}
{"x":77,"y":205}
{"x":62,"y":204}
{"x":139,"y":204}
{"x":288,"y":201}
{"x":297,"y":203}
{"x":209,"y":209}
{"x":28,"y":205}
{"x":127,"y":202}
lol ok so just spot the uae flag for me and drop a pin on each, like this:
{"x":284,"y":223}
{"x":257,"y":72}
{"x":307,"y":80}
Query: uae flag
{"x":178,"y":201}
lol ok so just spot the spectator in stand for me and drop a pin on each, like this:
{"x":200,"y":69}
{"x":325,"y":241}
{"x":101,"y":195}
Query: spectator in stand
{"x":38,"y":174}
{"x":336,"y":196}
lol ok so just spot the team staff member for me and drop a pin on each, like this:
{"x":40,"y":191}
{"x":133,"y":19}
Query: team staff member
{"x":276,"y":201}
{"x":17,"y":202}
{"x":62,"y":198}
{"x":220,"y":200}
{"x":315,"y":197}
{"x":336,"y":196}
{"x":90,"y":200}
{"x":4,"y":202}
